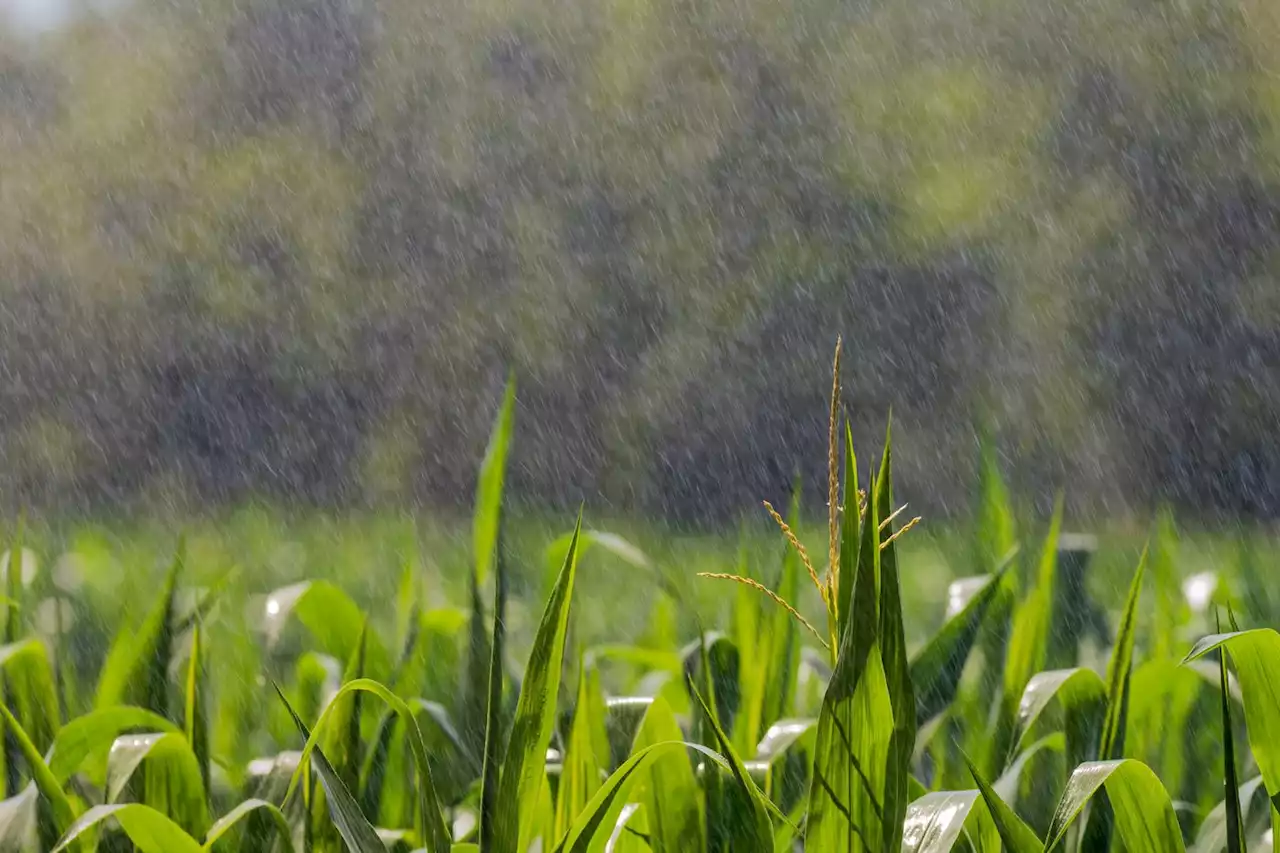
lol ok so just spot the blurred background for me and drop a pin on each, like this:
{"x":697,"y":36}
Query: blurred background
{"x":289,"y":250}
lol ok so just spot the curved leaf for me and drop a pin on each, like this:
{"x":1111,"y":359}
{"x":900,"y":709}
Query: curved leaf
{"x":936,"y":668}
{"x":1256,"y":657}
{"x":355,"y":829}
{"x":1013,"y":831}
{"x":601,"y":813}
{"x":242,"y":812}
{"x":1144,"y":816}
{"x":935,"y":822}
{"x":148,"y":829}
{"x":1082,"y":697}
{"x":49,"y":788}
{"x":669,"y":794}
{"x":428,"y":800}
{"x":329,"y":615}
{"x":165,"y":775}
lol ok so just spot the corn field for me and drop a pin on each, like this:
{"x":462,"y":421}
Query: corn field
{"x":1032,"y":720}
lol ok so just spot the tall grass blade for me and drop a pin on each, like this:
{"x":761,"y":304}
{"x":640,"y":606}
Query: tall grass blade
{"x":491,"y":760}
{"x":522,"y":767}
{"x":196,"y":722}
{"x":137,"y":667}
{"x":893,"y":647}
{"x":493,"y":470}
{"x":1014,"y":832}
{"x":856,"y":723}
{"x":1234,"y":816}
{"x":61,"y":809}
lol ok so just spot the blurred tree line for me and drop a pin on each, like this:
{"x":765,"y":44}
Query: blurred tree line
{"x":290,"y":247}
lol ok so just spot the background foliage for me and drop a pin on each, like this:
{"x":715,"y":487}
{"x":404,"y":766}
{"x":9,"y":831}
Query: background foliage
{"x":292,"y":246}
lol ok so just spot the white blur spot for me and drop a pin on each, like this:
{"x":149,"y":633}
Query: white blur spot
{"x":1199,"y":590}
{"x":273,"y":607}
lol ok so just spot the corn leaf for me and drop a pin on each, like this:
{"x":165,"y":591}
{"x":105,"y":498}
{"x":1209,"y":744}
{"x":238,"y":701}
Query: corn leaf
{"x":63,"y":812}
{"x":1255,"y":655}
{"x":137,"y":667}
{"x":669,"y":792}
{"x":522,"y":767}
{"x":149,"y":830}
{"x":893,"y":647}
{"x":1083,"y":698}
{"x":586,"y":759}
{"x":1143,"y":813}
{"x":355,"y":829}
{"x":936,"y":668}
{"x":1013,"y":831}
{"x":161,"y":771}
{"x":488,"y":509}
{"x":1119,"y":670}
{"x":856,"y":723}
{"x":242,"y":812}
{"x":936,"y":822}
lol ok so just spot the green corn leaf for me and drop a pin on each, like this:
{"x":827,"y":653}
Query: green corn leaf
{"x":1082,"y":696}
{"x":856,"y":723}
{"x":12,"y":630}
{"x":936,"y":668}
{"x":242,"y":812}
{"x":63,"y":812}
{"x":493,"y":470}
{"x":1028,"y":643}
{"x":90,"y":737}
{"x":1013,"y":831}
{"x":1211,"y":837}
{"x":19,"y":818}
{"x":161,"y":771}
{"x":719,"y":655}
{"x":434,"y":831}
{"x":1255,"y":655}
{"x":137,"y":667}
{"x":783,"y":654}
{"x":1234,"y":816}
{"x":491,"y":761}
{"x":936,"y":822}
{"x":196,"y":723}
{"x":1007,"y":785}
{"x":669,"y":791}
{"x":751,"y":830}
{"x":522,"y":768}
{"x":601,"y":814}
{"x":355,"y":829}
{"x":333,"y":621}
{"x":1119,"y":670}
{"x":586,"y":757}
{"x":893,"y":647}
{"x":149,"y":830}
{"x":1143,"y":813}
{"x":30,"y":689}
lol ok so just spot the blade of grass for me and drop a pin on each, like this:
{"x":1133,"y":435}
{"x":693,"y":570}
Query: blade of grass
{"x":522,"y":767}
